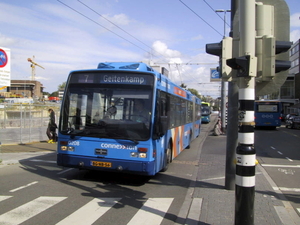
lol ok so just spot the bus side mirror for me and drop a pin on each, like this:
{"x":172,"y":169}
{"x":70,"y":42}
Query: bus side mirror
{"x":163,"y":125}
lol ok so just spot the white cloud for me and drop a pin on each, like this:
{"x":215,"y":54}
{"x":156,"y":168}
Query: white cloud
{"x":295,"y":35}
{"x":119,"y":19}
{"x":295,"y":20}
{"x":163,"y":49}
{"x":199,"y":37}
{"x":7,"y":41}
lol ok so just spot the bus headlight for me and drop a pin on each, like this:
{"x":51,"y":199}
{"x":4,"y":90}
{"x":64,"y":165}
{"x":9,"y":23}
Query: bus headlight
{"x":63,"y":148}
{"x":143,"y":155}
{"x":67,"y":148}
{"x":133,"y":154}
{"x":71,"y":148}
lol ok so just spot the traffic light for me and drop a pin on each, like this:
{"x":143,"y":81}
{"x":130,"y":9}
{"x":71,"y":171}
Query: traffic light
{"x":270,"y":65}
{"x":272,"y":44}
{"x":214,"y":49}
{"x":222,"y":49}
{"x":280,"y":47}
{"x":245,"y":65}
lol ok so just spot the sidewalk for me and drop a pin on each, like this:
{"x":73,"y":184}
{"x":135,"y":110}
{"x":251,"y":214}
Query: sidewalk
{"x":11,"y":154}
{"x":218,"y":204}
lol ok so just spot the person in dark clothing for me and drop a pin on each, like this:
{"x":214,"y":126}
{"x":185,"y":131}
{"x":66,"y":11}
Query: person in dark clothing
{"x":111,"y":111}
{"x":140,"y":113}
{"x":51,"y":130}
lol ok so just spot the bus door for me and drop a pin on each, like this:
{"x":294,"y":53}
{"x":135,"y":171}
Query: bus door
{"x":160,"y":133}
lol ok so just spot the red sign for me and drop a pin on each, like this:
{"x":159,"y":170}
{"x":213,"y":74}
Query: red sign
{"x":3,"y":58}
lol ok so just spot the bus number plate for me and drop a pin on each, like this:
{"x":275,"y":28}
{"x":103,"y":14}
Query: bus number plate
{"x":101,"y":164}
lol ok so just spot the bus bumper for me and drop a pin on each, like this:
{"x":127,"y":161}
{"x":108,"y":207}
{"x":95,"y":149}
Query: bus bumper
{"x":126,"y":166}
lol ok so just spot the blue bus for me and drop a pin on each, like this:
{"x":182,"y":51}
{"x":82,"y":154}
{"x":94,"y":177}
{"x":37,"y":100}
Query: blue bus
{"x":100,"y":129}
{"x":206,"y":111}
{"x":267,"y":113}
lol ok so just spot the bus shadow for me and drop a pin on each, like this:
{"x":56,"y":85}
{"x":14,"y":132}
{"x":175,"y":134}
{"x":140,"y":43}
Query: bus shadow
{"x":97,"y":184}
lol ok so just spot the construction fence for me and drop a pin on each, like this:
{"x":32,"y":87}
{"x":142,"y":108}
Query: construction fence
{"x":25,"y":123}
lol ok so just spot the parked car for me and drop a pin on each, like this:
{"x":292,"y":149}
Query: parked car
{"x":292,"y":122}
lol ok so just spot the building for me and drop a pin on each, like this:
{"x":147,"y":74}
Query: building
{"x":294,"y":72}
{"x":291,"y":88}
{"x":26,"y":88}
{"x":289,"y":92}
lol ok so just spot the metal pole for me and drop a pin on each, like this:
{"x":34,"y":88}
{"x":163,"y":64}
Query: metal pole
{"x":21,"y":123}
{"x":223,"y":87}
{"x":245,"y":152}
{"x":232,"y":123}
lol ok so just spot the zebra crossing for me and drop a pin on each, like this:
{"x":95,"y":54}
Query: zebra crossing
{"x":151,"y":212}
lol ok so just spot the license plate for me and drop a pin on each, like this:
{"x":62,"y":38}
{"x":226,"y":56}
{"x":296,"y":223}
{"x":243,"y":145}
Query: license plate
{"x":101,"y":164}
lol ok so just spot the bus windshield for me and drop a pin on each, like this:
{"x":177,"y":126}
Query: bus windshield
{"x":205,"y":110}
{"x":110,"y":111}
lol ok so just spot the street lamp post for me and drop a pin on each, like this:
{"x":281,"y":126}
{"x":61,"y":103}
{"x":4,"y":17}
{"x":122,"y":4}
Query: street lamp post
{"x":224,"y":11}
{"x":223,"y":88}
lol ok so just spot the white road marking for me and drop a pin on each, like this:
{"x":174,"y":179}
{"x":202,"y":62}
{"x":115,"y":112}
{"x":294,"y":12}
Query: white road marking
{"x":274,"y":165}
{"x":2,"y":197}
{"x":39,"y":160}
{"x":194,"y":212}
{"x":29,"y":210}
{"x":65,"y":171}
{"x":90,"y":212}
{"x":219,"y":178}
{"x":286,"y":189}
{"x":214,"y":178}
{"x":25,"y":186}
{"x":279,"y":152}
{"x":289,"y":159}
{"x":154,"y":210}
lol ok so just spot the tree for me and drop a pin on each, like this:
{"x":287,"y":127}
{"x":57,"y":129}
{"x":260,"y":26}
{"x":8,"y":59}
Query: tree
{"x":54,"y":94}
{"x":194,"y":92}
{"x":46,"y":93}
{"x":62,"y":86}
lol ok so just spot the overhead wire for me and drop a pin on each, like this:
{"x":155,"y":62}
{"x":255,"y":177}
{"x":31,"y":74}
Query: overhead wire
{"x":120,"y":28}
{"x":150,"y":53}
{"x":201,"y":18}
{"x":215,"y":12}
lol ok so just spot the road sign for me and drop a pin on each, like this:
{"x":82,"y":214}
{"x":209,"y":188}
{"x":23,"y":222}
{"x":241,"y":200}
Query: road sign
{"x":4,"y":67}
{"x":214,"y":75}
{"x":3,"y":58}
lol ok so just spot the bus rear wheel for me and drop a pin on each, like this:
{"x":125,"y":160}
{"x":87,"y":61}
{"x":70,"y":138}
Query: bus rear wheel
{"x":167,"y":159}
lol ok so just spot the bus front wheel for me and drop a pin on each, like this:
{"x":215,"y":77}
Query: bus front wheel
{"x":167,"y":159}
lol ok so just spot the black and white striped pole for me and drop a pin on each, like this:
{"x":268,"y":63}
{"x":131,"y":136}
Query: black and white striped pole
{"x":246,"y":69}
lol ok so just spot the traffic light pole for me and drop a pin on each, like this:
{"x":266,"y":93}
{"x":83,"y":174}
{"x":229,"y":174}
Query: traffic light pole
{"x":232,"y":123}
{"x":245,"y":152}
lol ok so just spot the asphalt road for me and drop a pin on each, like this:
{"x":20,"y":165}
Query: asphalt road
{"x":278,"y":152}
{"x":37,"y":191}
{"x":46,"y":194}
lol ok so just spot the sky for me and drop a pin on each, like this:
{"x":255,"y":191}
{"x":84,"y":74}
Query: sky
{"x":66,"y":35}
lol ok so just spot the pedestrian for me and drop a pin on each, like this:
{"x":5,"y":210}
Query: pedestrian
{"x":51,"y":130}
{"x":140,"y":113}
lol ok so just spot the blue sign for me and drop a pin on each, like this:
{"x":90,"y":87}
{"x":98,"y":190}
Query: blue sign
{"x":214,"y":75}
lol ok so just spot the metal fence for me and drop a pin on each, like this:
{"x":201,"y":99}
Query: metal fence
{"x":25,"y":123}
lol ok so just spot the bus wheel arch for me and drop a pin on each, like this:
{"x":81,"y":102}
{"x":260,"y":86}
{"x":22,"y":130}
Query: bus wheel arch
{"x":167,"y":157}
{"x":190,"y":140}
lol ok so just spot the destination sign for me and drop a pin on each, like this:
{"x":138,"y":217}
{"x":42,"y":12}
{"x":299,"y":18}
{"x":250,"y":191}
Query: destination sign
{"x":112,"y":78}
{"x":124,"y":79}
